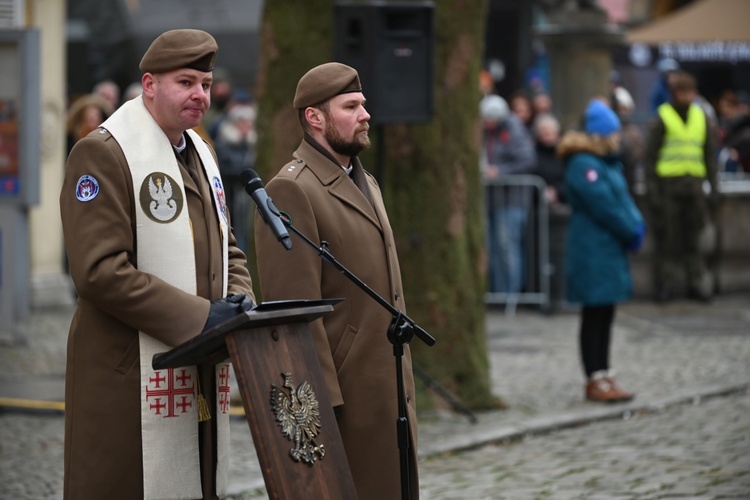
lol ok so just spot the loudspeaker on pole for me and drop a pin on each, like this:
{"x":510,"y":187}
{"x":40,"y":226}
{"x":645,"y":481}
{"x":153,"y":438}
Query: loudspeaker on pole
{"x":390,"y":44}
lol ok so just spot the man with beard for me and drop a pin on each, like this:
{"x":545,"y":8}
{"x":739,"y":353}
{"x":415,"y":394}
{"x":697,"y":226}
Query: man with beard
{"x":329,"y":197}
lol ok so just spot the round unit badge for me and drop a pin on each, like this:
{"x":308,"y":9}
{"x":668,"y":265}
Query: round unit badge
{"x":87,"y":188}
{"x":161,"y":198}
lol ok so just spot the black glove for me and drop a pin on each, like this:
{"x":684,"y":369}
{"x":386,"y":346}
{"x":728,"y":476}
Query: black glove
{"x":245,"y":301}
{"x":227,"y":308}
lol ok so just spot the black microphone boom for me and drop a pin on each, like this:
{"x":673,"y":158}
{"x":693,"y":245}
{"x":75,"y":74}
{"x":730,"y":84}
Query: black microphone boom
{"x":268,"y":211}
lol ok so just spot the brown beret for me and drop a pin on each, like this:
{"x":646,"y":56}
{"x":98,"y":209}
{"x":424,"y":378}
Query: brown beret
{"x":325,"y":81}
{"x":184,"y":48}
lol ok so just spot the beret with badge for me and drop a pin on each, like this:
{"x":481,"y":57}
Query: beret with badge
{"x":182,"y":48}
{"x":325,"y":81}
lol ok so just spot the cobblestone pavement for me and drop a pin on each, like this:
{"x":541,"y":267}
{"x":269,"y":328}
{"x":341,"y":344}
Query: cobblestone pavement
{"x":668,"y":355}
{"x":699,"y":451}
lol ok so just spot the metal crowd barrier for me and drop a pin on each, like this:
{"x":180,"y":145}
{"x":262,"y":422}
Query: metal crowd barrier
{"x":529,"y":192}
{"x":732,"y":183}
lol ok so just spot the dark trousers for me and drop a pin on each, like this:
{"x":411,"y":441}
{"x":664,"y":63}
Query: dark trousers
{"x":678,"y":224}
{"x":596,"y":331}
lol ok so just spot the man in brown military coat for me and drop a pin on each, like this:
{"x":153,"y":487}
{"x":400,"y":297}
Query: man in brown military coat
{"x":153,"y":261}
{"x":330,"y":197}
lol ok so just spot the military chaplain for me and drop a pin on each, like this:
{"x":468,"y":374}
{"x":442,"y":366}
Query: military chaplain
{"x":330,"y":197}
{"x":154,"y":262}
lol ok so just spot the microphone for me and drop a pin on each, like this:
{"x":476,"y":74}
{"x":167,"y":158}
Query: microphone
{"x":268,"y":211}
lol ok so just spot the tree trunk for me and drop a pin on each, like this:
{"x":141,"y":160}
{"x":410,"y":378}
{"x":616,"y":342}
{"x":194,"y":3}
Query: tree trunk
{"x":295,"y":36}
{"x":432,"y":185}
{"x":434,"y":196}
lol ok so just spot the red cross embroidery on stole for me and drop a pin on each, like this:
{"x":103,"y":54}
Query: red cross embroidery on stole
{"x":175,"y":397}
{"x":224,"y":388}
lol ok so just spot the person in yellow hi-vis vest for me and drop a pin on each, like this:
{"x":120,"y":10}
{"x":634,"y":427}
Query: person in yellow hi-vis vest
{"x":682,"y":193}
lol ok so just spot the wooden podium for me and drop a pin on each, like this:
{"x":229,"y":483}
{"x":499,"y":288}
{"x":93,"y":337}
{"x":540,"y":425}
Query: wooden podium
{"x":280,"y":380}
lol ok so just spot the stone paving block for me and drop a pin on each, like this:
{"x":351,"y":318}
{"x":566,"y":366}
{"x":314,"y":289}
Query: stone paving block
{"x":579,"y":462}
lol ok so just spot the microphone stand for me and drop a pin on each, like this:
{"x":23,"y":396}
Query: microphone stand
{"x":401,"y":331}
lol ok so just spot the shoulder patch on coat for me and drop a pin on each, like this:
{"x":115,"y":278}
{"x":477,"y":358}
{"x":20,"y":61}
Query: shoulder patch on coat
{"x":592,"y":175}
{"x":87,"y":188}
{"x":221,"y":196}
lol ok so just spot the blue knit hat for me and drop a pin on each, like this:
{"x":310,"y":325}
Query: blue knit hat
{"x":599,"y":119}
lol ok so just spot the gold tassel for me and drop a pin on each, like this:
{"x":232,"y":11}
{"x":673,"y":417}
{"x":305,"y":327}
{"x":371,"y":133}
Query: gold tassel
{"x":204,"y":413}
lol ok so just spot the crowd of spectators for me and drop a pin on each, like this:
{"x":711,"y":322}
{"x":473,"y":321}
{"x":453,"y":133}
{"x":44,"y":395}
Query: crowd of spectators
{"x":527,"y":117}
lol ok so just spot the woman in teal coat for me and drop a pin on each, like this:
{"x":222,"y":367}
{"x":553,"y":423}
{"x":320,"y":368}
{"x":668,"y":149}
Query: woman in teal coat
{"x":605,"y":225}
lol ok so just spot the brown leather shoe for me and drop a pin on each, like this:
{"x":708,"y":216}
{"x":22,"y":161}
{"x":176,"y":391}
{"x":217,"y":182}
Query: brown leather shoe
{"x":603,"y":388}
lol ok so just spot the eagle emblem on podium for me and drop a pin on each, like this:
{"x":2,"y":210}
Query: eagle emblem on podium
{"x":298,"y":415}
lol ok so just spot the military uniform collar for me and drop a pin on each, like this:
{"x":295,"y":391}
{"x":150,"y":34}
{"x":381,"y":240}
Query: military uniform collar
{"x":325,"y":152}
{"x":182,"y":145}
{"x":353,"y":190}
{"x":326,"y":171}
